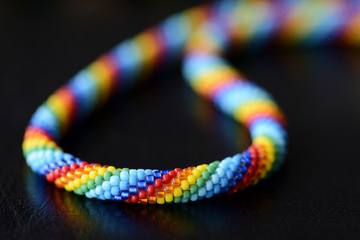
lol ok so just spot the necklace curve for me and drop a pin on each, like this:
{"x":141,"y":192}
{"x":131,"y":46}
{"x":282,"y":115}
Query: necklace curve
{"x":200,"y":37}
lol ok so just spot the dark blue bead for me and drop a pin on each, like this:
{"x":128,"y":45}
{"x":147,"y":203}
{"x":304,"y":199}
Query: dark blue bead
{"x":142,"y":185}
{"x":150,"y":179}
{"x":246,"y":161}
{"x":163,"y":172}
{"x":238,"y":177}
{"x":247,"y":154}
{"x":157,"y":174}
{"x":117,"y":198}
{"x":224,"y":190}
{"x":243,"y":169}
{"x":232,"y":184}
{"x":125,"y":195}
{"x":132,"y":190}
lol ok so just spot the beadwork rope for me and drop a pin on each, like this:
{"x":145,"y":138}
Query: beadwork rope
{"x":201,"y":35}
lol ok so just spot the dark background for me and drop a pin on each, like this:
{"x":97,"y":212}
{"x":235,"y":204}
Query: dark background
{"x":163,"y":124}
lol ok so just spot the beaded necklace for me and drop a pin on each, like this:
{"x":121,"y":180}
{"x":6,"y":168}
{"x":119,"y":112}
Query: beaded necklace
{"x":201,"y":35}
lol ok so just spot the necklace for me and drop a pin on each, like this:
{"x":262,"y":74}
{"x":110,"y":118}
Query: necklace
{"x":202,"y":35}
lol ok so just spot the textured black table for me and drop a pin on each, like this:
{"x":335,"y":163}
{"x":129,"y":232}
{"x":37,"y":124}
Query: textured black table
{"x":164,"y":124}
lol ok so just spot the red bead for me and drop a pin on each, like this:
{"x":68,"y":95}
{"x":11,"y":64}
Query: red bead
{"x":57,"y":172}
{"x":245,"y":179}
{"x":127,"y":200}
{"x":177,"y":170}
{"x":65,"y":169}
{"x":83,"y":164}
{"x":50,"y":177}
{"x":151,"y":189}
{"x":134,"y":198}
{"x":166,"y":178}
{"x":250,"y":171}
{"x":74,"y":166}
{"x":158,"y":183}
{"x":142,"y":194}
{"x":172,"y":174}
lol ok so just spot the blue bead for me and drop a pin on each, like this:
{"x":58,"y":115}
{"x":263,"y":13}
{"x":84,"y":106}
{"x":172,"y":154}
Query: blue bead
{"x":217,"y":188}
{"x":238,"y":177}
{"x":148,"y":172}
{"x":163,"y":172}
{"x":150,"y":179}
{"x":132,"y":190}
{"x":209,"y":194}
{"x":141,"y":185}
{"x":125,"y":195}
{"x":124,"y":185}
{"x":158,"y":174}
{"x":224,"y":190}
{"x":117,"y":198}
{"x":232,"y":184}
{"x":243,"y":169}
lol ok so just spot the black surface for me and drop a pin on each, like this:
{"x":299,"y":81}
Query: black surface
{"x":164,"y":124}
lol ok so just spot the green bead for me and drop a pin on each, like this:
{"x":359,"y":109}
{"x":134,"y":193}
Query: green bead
{"x":91,"y":184}
{"x":211,"y":169}
{"x":177,"y":199}
{"x":99,"y":179}
{"x":126,"y":169}
{"x":186,"y":194}
{"x":206,"y":175}
{"x":116,"y":172}
{"x":200,"y":182}
{"x":84,"y":187}
{"x":107,"y":175}
{"x":193,"y":189}
{"x":78,"y":191}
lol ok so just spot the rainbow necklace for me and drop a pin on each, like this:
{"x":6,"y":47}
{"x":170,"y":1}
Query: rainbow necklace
{"x":200,"y":35}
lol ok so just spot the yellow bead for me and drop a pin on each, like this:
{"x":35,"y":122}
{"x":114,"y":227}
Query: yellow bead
{"x":177,"y":192}
{"x":101,"y":171}
{"x":160,"y":200}
{"x":196,"y":173}
{"x":169,"y":197}
{"x":70,"y":186}
{"x":191,"y":179}
{"x":184,"y":185}
{"x":84,"y":178}
{"x":77,"y":183}
{"x":111,"y":168}
{"x":92,"y":175}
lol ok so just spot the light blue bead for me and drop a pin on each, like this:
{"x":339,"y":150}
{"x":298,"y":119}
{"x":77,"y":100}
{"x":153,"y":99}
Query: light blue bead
{"x":92,"y":193}
{"x":184,"y":200}
{"x":220,"y":172}
{"x":148,"y":172}
{"x":201,"y":191}
{"x":106,"y":185}
{"x":107,"y":194}
{"x":229,"y":174}
{"x":115,"y":190}
{"x":224,"y":182}
{"x":133,"y":172}
{"x":88,"y":195}
{"x":132,"y":180}
{"x":99,"y":190}
{"x":193,"y":197}
{"x":124,"y":175}
{"x":141,"y":175}
{"x":215,"y":178}
{"x":114,"y":180}
{"x":209,"y":185}
{"x":124,"y":185}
